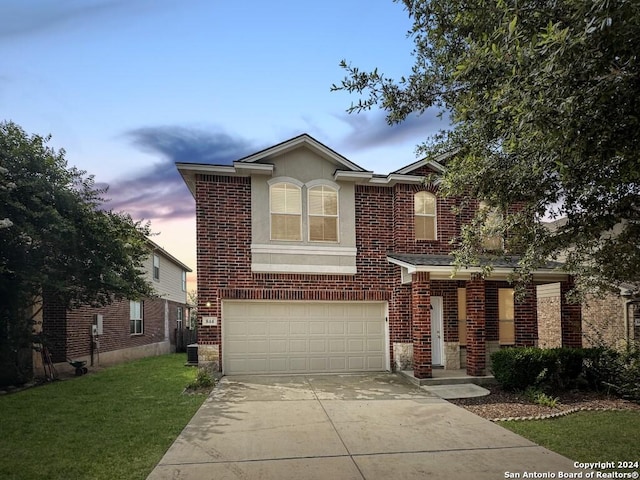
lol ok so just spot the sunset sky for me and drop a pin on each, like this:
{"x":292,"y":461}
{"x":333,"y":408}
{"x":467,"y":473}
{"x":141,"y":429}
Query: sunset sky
{"x":129,"y":87}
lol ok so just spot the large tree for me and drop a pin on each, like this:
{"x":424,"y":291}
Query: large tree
{"x":57,"y":241}
{"x":544,"y":102}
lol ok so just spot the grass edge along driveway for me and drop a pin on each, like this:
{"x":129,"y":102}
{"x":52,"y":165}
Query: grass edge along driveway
{"x":116,"y":423}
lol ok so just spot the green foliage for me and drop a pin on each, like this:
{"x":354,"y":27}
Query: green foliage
{"x":203,"y":381}
{"x":56,"y":241}
{"x":543,"y":99}
{"x":616,"y":371}
{"x":554,"y":369}
{"x":537,"y":396}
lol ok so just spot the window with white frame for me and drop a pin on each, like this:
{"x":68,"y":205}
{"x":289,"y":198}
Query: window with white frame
{"x":492,"y":239}
{"x":285,"y":200}
{"x":156,"y":267}
{"x":323,"y":214}
{"x":424,"y":205}
{"x":184,"y":281}
{"x":136,"y":312}
{"x":179,"y":316}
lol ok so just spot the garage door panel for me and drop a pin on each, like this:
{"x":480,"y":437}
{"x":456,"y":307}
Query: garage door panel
{"x":317,"y":345}
{"x":337,"y":345}
{"x":257,"y":346}
{"x":298,"y":346}
{"x":299,"y":337}
{"x":277,"y":346}
{"x":278,"y":327}
{"x":336,"y":328}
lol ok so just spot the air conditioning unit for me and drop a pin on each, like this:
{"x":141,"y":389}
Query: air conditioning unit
{"x":192,"y":354}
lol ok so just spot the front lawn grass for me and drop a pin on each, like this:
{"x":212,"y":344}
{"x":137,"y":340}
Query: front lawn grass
{"x":586,"y":436}
{"x":113,"y":424}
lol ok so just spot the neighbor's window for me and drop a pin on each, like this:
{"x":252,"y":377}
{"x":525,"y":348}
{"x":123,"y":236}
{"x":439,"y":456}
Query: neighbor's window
{"x":506,"y":317}
{"x":179,"y":316}
{"x":323,"y":214}
{"x":424,"y":205}
{"x":156,"y":267}
{"x":462,"y":316}
{"x":286,"y":211}
{"x":184,"y":281}
{"x":493,"y":238}
{"x":135,"y":314}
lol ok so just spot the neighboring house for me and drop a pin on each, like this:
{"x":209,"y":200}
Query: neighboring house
{"x":125,"y":329}
{"x":611,"y":319}
{"x":309,"y":263}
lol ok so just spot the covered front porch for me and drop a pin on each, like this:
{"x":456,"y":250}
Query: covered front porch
{"x":457,"y":320}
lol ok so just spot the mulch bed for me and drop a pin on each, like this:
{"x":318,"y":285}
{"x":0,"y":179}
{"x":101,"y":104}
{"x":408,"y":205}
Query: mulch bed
{"x":503,"y":405}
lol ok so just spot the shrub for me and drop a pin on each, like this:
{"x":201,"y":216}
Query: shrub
{"x":538,"y":397}
{"x":203,"y":381}
{"x":617,"y":372}
{"x":553,"y":369}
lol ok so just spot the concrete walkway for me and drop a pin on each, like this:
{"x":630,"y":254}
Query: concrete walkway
{"x":370,"y":427}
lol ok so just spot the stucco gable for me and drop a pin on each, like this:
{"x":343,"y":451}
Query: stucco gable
{"x":305,"y":140}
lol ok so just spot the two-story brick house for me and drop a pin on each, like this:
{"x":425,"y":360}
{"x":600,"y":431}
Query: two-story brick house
{"x":125,"y":329}
{"x":309,"y":263}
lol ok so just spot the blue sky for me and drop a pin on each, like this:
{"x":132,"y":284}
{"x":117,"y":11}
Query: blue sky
{"x":128,"y":87}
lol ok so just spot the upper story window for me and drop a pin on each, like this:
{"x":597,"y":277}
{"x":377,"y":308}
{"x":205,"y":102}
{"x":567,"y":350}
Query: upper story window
{"x":424,"y":205}
{"x":323,"y":214}
{"x":156,"y":267}
{"x":286,"y":211}
{"x":184,"y":281}
{"x":492,"y":239}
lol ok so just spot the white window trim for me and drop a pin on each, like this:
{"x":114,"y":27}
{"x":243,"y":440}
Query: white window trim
{"x":323,"y":183}
{"x":275,"y":181}
{"x":434,"y":215}
{"x":153,"y":273}
{"x":131,"y":318}
{"x":184,"y":281}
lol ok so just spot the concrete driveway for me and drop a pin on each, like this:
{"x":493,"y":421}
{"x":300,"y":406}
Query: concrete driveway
{"x":375,"y":426}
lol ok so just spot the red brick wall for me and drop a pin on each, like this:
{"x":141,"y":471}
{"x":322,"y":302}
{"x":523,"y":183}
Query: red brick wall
{"x":421,"y":313}
{"x":476,"y":341}
{"x":72,"y":329}
{"x":526,"y":318}
{"x":404,"y":238}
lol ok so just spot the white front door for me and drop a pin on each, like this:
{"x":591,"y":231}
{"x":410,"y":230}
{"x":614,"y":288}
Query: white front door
{"x":437,"y":332}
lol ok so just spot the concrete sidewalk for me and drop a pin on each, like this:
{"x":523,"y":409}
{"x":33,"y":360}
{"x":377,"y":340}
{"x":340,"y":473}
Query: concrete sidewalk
{"x":375,"y":426}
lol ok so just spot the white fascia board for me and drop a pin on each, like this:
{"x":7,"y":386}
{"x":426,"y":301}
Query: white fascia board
{"x":352,"y":176}
{"x":206,"y":169}
{"x":254,"y":168}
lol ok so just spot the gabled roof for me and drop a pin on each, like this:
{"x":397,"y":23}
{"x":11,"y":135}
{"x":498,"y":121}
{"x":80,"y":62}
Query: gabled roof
{"x":155,"y":248}
{"x":437,"y":164}
{"x":302,"y":140}
{"x":260,"y":163}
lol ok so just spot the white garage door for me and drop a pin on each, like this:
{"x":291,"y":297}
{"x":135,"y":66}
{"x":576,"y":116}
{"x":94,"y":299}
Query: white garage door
{"x":303,"y":337}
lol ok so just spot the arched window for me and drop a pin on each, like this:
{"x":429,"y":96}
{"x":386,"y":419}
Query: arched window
{"x":424,"y":205}
{"x":285,"y":201}
{"x":323,"y":214}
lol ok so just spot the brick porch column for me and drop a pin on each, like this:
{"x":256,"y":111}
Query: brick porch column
{"x":570,"y":317}
{"x":421,"y":324}
{"x":526,"y":318}
{"x":476,"y":342}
